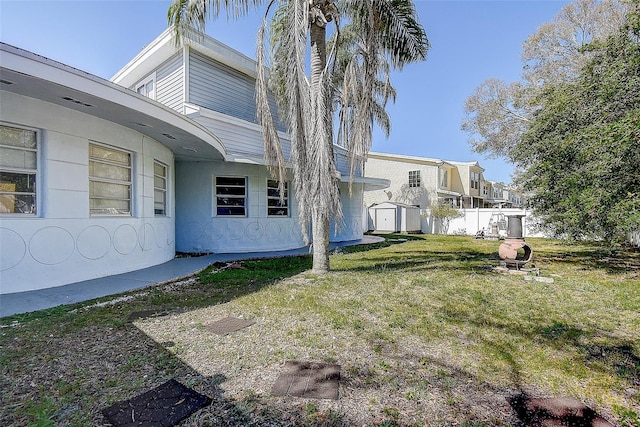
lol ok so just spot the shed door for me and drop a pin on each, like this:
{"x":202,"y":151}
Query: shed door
{"x":386,"y":220}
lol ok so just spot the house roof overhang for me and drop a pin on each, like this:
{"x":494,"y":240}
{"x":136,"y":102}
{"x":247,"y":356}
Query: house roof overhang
{"x":448,"y":193}
{"x":369,"y":183}
{"x":164,"y":47}
{"x":407,"y":159}
{"x":27,"y":74}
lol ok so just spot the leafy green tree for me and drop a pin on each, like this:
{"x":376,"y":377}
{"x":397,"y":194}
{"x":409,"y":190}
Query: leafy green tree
{"x":498,"y":113}
{"x":444,"y":213}
{"x":383,"y":34}
{"x":581,"y":152}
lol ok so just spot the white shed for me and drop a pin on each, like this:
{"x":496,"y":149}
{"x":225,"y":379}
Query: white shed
{"x":393,"y":217}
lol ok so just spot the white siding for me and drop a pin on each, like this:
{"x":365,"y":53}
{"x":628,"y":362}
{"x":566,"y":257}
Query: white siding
{"x":170,"y":83}
{"x":240,"y":138}
{"x":220,"y":88}
{"x":342,"y":163}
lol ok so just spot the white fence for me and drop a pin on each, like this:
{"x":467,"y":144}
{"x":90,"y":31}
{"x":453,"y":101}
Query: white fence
{"x":474,"y":220}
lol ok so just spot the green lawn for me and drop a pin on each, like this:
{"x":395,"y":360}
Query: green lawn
{"x":424,"y":332}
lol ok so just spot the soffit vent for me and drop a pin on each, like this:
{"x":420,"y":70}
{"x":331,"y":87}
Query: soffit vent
{"x":75,"y":101}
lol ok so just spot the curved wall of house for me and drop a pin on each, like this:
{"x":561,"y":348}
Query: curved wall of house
{"x":199,"y":228}
{"x":62,"y":243}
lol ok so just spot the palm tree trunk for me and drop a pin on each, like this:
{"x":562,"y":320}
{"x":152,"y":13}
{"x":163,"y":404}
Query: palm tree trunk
{"x":320,"y":235}
{"x":320,"y":214}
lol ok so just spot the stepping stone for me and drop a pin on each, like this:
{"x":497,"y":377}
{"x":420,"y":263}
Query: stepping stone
{"x":228,"y":325}
{"x":556,"y":411}
{"x":163,"y":406}
{"x":308,"y":379}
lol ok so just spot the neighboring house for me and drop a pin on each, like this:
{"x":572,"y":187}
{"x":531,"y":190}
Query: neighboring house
{"x":500,"y":195}
{"x":416,"y":181}
{"x":515,"y":198}
{"x":495,"y":197}
{"x":422,"y":181}
{"x":471,"y":176}
{"x":102,"y":177}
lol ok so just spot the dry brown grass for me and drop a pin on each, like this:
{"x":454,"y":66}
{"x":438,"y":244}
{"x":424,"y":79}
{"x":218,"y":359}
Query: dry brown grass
{"x":424,"y":333}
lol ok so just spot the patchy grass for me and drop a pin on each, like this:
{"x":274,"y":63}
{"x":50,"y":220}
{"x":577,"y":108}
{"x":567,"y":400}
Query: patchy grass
{"x":425,"y":333}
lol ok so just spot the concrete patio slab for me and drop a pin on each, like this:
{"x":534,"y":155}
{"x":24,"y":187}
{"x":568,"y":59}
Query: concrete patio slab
{"x":177,"y":268}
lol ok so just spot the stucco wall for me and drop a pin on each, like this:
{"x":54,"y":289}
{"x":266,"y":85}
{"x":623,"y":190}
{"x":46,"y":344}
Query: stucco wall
{"x":200,"y":230}
{"x":63,"y":244}
{"x":398,"y":173}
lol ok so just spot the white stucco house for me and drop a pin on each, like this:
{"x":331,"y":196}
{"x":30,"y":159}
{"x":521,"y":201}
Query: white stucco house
{"x":102,"y":177}
{"x":423,"y":181}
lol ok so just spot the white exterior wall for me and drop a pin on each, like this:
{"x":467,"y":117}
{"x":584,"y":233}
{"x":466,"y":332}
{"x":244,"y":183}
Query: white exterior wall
{"x":200,"y":230}
{"x":63,"y":244}
{"x":352,"y":225}
{"x":398,"y":173}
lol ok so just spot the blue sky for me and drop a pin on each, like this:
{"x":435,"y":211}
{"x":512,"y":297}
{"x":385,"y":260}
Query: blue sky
{"x":471,"y":40}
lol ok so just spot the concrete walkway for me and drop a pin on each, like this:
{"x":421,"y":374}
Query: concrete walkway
{"x":24,"y":302}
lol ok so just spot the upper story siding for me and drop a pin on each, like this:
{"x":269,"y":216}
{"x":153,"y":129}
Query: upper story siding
{"x":215,"y":86}
{"x":220,"y":88}
{"x":169,"y":83}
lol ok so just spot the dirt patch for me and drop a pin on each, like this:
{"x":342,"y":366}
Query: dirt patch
{"x":165,"y":405}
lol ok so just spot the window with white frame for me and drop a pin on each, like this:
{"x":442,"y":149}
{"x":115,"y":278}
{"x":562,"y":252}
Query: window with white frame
{"x":414,"y":178}
{"x":485,"y":190}
{"x":109,"y":181}
{"x":18,"y":170}
{"x":159,"y":189}
{"x":444,"y":178}
{"x":277,"y":206}
{"x":475,"y":180}
{"x":231,"y":196}
{"x":147,"y":87}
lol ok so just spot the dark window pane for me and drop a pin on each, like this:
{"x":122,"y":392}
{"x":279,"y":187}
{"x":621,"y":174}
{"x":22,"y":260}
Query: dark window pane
{"x":223,"y":180}
{"x":232,"y":191}
{"x":228,"y":201}
{"x":18,"y":203}
{"x":17,"y":182}
{"x":278,"y":211}
{"x":231,"y":210}
{"x":276,"y":202}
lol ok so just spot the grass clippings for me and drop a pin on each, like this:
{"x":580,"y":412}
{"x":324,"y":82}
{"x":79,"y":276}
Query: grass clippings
{"x":424,"y":332}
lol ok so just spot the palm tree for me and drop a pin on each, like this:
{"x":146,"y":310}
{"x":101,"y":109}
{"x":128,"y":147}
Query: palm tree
{"x":350,"y":78}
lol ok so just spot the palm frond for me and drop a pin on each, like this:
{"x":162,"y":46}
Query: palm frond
{"x":274,"y":159}
{"x":189,"y":17}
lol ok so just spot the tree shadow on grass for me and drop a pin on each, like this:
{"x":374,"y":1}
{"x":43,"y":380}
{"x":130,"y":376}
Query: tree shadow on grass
{"x":596,"y":257}
{"x":412,"y":261}
{"x":68,"y":379}
{"x":598,"y":350}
